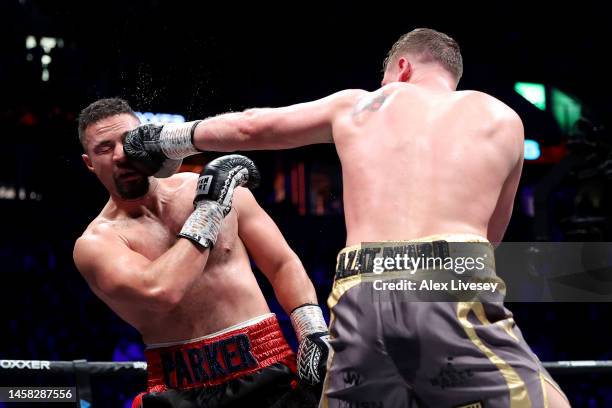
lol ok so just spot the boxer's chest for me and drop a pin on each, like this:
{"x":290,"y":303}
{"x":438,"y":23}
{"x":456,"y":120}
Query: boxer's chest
{"x":153,"y":234}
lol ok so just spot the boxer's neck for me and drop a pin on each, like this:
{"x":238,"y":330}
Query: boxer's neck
{"x":148,"y":203}
{"x":433,"y":79}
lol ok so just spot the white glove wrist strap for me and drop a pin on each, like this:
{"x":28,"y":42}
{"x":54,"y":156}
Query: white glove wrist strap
{"x":204,"y":223}
{"x":176,"y":140}
{"x":306,"y":320}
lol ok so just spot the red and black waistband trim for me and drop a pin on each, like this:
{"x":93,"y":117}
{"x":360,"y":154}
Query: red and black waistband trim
{"x":217,"y":359}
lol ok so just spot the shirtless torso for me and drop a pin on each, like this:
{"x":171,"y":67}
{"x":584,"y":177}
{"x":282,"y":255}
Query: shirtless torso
{"x":418,"y":162}
{"x":166,"y":287}
{"x":172,"y":258}
{"x":224,"y":294}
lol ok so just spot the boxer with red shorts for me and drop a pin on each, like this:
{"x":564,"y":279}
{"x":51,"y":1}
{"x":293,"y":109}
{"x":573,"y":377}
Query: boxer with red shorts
{"x":249,"y":359}
{"x":170,"y":255}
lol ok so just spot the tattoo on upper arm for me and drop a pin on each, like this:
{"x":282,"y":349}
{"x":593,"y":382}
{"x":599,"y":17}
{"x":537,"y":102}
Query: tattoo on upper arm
{"x":371,"y":103}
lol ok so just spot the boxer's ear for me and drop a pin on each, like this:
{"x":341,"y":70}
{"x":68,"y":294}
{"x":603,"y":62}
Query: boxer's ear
{"x":405,"y":68}
{"x":87,"y":162}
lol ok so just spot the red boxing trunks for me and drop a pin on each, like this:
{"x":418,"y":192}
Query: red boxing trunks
{"x":249,"y":364}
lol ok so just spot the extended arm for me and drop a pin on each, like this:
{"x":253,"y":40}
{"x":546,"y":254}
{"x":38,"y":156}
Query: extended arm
{"x":158,"y":149}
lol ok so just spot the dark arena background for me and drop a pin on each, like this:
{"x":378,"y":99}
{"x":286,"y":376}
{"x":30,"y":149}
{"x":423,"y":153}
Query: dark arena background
{"x":195,"y":60}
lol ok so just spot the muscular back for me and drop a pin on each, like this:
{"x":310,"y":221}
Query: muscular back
{"x":418,"y":162}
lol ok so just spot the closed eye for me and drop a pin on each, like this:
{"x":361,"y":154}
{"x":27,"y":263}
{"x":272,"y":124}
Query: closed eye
{"x":103,"y":148}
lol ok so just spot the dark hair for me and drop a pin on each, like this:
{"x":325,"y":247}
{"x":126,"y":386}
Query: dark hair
{"x":430,"y":46}
{"x":101,"y":109}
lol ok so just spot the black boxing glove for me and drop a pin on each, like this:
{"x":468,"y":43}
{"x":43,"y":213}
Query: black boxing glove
{"x":214,"y":194}
{"x":159,"y":150}
{"x":313,"y":337}
{"x":221,"y":176}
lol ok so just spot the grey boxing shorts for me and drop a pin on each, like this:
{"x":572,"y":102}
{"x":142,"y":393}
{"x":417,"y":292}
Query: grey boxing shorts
{"x":405,"y":348}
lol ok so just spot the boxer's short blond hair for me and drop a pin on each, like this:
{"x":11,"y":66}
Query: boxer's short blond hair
{"x":429,"y":46}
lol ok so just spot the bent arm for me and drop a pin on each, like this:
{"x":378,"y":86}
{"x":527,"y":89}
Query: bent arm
{"x":272,"y":254}
{"x":124,"y":276}
{"x":274,"y":128}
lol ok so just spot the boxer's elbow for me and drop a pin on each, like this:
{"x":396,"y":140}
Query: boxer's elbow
{"x":153,"y":298}
{"x":162,"y":299}
{"x":150,"y":294}
{"x":259,"y":129}
{"x":252,"y":126}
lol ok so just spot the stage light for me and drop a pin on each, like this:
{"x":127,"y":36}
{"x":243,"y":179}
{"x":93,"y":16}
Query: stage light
{"x":30,"y":42}
{"x":532,"y":150}
{"x":566,"y":110}
{"x":534,"y":93}
{"x":47,"y":44}
{"x":159,"y":118}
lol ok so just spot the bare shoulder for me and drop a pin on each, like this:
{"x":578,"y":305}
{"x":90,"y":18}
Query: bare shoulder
{"x":505,"y":119}
{"x":181,"y":180}
{"x":100,"y":233}
{"x":349,"y":97}
{"x":498,"y":110}
{"x":101,"y":225}
{"x":101,"y":228}
{"x":501,"y":123}
{"x":365,"y":101}
{"x":373,"y":101}
{"x":180,"y":185}
{"x":385,"y":90}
